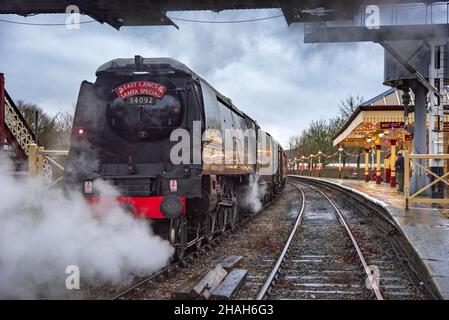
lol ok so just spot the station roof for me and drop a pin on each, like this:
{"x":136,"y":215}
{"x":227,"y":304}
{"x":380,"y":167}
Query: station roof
{"x":119,"y":13}
{"x":383,"y":114}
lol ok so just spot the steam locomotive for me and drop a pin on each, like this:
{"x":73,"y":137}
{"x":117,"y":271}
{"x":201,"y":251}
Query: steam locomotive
{"x":179,"y":152}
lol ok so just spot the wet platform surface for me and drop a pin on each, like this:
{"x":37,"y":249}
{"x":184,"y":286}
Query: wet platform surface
{"x":426,"y":227}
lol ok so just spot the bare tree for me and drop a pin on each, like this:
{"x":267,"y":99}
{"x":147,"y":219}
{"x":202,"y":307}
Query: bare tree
{"x":52,"y":131}
{"x":349,"y":105}
{"x":63,"y":128}
{"x":319,"y":135}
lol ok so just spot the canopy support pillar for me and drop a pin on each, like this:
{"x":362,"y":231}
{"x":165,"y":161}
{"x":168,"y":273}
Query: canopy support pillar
{"x":392,"y":163}
{"x":419,"y":178}
{"x":378,"y":171}
{"x":367,"y":165}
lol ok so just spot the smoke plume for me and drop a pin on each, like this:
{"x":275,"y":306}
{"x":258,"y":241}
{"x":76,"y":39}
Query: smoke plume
{"x":42,"y":231}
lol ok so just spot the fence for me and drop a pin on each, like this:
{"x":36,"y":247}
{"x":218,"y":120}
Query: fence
{"x":436,"y":180}
{"x":46,"y":163}
{"x":333,"y":172}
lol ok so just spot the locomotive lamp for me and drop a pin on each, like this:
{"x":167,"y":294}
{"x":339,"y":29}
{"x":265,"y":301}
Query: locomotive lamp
{"x":171,"y":207}
{"x":80,"y":132}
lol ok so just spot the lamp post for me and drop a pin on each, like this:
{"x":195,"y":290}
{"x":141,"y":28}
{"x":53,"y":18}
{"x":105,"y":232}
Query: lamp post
{"x":302,"y":165}
{"x":340,"y":150}
{"x":319,"y":163}
{"x":311,"y":164}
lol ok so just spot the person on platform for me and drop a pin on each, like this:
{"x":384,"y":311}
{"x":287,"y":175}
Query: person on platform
{"x":399,"y":165}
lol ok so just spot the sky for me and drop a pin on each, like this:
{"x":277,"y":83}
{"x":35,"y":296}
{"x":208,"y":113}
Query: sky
{"x":264,"y":66}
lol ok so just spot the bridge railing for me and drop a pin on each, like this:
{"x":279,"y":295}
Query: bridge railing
{"x":436,"y":180}
{"x":45,"y":163}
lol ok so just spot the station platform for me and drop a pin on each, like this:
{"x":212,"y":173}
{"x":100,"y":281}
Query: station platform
{"x":425,"y":227}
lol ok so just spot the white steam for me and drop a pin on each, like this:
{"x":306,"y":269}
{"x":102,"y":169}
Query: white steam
{"x":42,"y":231}
{"x":253,"y":193}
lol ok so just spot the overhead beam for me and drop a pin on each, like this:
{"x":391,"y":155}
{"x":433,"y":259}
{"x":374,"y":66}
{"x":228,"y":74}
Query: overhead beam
{"x":53,"y":6}
{"x":384,"y":33}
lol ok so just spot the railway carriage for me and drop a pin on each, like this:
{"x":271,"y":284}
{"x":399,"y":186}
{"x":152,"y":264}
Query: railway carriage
{"x":178,"y":151}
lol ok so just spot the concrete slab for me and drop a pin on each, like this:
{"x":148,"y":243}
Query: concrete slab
{"x":426,"y":227}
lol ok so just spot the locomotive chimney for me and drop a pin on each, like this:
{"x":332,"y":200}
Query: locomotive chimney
{"x":138,"y":62}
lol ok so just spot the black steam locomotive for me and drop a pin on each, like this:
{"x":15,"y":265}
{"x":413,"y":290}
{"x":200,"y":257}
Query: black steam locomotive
{"x":178,"y":151}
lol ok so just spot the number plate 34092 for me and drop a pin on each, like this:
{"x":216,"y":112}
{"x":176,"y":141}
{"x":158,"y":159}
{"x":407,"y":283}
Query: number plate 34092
{"x":141,"y":100}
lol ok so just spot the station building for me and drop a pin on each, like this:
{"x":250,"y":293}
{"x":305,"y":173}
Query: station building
{"x":381,"y":129}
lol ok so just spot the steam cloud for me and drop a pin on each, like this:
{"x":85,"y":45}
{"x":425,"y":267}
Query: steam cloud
{"x":42,"y":231}
{"x":253,"y":193}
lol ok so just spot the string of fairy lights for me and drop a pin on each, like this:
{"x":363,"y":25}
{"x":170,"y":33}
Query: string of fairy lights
{"x":308,"y":160}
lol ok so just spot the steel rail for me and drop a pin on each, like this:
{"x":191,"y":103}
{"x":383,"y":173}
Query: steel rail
{"x":342,"y":220}
{"x":193,"y":254}
{"x":175,"y":264}
{"x":147,"y":279}
{"x":262,"y":293}
{"x":400,"y":253}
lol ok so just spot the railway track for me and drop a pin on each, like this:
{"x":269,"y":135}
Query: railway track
{"x":140,"y":285}
{"x":335,"y":253}
{"x":143,"y":284}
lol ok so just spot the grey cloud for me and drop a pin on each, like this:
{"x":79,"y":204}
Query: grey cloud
{"x":263,"y":67}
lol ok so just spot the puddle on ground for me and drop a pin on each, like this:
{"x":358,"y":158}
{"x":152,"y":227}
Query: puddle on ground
{"x":440,"y":226}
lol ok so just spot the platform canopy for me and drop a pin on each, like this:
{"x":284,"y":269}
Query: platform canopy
{"x":119,"y":13}
{"x":381,"y":118}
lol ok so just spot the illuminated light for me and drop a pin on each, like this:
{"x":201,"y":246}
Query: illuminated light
{"x":80,"y":131}
{"x":369,"y":140}
{"x":381,"y":135}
